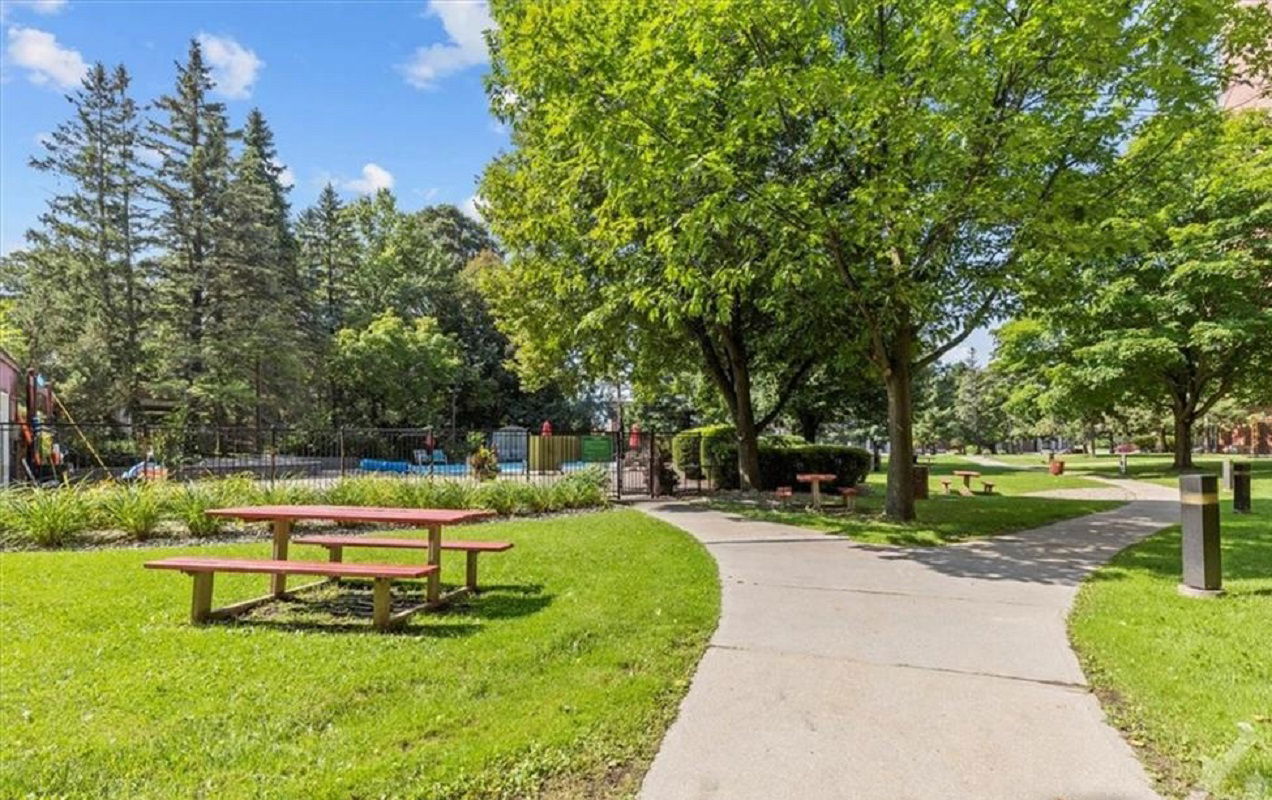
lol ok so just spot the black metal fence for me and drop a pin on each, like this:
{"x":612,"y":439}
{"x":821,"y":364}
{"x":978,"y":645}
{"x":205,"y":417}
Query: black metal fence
{"x":61,"y":452}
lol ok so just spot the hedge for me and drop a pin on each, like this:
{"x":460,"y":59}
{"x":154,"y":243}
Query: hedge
{"x":686,"y":453}
{"x":782,"y":457}
{"x":780,"y":464}
{"x":720,"y":456}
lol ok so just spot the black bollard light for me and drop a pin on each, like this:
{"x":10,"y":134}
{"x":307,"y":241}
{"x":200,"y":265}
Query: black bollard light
{"x":1199,"y":516}
{"x":1241,"y":487}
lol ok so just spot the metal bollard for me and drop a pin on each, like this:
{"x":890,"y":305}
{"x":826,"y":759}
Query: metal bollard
{"x":1227,"y":474}
{"x":920,"y":482}
{"x":1199,"y":516}
{"x":1121,"y":463}
{"x":1241,"y":487}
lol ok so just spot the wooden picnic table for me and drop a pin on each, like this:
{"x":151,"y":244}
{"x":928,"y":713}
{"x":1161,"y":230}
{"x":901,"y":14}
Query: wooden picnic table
{"x":282,"y":518}
{"x":967,"y":475}
{"x":816,"y":478}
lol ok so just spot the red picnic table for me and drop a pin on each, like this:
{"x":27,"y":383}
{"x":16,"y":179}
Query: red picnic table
{"x":282,"y":518}
{"x":816,"y":478}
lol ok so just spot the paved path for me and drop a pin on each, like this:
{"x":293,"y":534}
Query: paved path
{"x":847,"y":671}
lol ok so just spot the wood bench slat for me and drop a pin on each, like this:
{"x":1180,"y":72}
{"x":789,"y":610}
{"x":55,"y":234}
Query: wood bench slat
{"x":408,"y":544}
{"x":269,"y":567}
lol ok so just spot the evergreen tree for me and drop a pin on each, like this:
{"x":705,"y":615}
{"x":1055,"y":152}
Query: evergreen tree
{"x":190,"y":184}
{"x":82,"y":282}
{"x":326,"y":255}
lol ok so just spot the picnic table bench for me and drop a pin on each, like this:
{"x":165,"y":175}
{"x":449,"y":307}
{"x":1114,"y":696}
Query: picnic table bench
{"x":336,"y":544}
{"x":279,"y":567}
{"x":203,"y":570}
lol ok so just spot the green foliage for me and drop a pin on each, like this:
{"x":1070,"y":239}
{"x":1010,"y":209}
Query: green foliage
{"x":136,"y":509}
{"x":719,"y":456}
{"x":51,"y":517}
{"x":686,"y":453}
{"x":189,"y":504}
{"x":393,"y":372}
{"x":780,"y":464}
{"x":484,"y":464}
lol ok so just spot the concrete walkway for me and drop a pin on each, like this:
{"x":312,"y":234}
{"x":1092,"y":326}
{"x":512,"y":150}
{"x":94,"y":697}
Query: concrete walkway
{"x":849,"y":671}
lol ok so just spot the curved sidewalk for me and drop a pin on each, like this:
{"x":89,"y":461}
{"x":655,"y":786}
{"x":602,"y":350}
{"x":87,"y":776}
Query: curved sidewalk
{"x":849,"y":671}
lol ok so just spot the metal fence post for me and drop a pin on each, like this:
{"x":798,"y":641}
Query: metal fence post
{"x":618,"y":463}
{"x":273,"y":455}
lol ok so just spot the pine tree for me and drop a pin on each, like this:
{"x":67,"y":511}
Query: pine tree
{"x":84,"y":282}
{"x":327,"y":258}
{"x":191,"y":186}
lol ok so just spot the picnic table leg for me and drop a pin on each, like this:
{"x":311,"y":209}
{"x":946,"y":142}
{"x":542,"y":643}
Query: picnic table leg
{"x":282,"y":535}
{"x":817,"y":495}
{"x":435,"y":559}
{"x":382,"y":604}
{"x":472,"y":571}
{"x":201,"y":605}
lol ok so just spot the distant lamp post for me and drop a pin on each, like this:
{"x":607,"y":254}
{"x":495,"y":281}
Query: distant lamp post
{"x":1199,"y":516}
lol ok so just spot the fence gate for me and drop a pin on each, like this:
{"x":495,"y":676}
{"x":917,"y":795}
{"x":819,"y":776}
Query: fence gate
{"x":635,"y":467}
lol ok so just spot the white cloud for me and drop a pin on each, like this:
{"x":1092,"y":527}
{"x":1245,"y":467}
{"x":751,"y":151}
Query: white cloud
{"x":234,"y":67}
{"x":465,"y":23}
{"x":45,"y":60}
{"x":374,"y":178}
{"x":44,"y":7}
{"x":472,"y":207}
{"x":286,"y":177}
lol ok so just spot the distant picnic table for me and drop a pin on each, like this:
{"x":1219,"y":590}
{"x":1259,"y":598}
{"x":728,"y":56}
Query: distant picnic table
{"x":815,"y":479}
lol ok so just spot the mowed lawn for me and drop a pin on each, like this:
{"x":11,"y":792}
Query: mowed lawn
{"x":559,"y":680}
{"x":942,"y":519}
{"x":1189,"y":681}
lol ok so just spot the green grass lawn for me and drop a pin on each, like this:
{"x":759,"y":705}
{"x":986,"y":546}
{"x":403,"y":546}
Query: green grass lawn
{"x":559,"y":680}
{"x":942,"y":519}
{"x":1189,"y":681}
{"x":1153,"y":467}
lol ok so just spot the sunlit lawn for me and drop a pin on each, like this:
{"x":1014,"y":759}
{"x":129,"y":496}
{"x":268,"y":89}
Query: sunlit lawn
{"x":563,"y":675}
{"x":1154,"y":467}
{"x":942,"y":519}
{"x":1183,"y":676}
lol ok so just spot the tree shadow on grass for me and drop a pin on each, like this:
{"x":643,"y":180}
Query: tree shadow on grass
{"x":347,"y":608}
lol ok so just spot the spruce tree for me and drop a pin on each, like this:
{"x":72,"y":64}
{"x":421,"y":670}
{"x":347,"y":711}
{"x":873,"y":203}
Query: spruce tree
{"x":327,"y":257}
{"x":190,"y":185}
{"x":83,"y":284}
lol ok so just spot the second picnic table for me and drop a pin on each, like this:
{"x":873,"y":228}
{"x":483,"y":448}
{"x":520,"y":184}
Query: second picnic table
{"x":282,"y":518}
{"x":816,"y":478}
{"x":967,"y":475}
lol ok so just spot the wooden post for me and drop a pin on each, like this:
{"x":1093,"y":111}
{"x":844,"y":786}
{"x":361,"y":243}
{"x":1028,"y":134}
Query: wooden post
{"x":335,"y":554}
{"x":472,"y":571}
{"x":817,"y":494}
{"x":282,"y":536}
{"x":435,"y":559}
{"x":382,"y":604}
{"x":201,"y":606}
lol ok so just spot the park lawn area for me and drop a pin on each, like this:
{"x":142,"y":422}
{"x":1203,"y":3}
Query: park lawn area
{"x":1152,"y":467}
{"x":942,"y":519}
{"x":1006,"y":480}
{"x":558,"y":681}
{"x":1189,"y":681}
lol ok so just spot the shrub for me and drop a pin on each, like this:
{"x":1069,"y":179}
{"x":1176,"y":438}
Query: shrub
{"x":367,"y":490}
{"x":501,"y":497}
{"x":583,"y":489}
{"x":136,"y":509}
{"x":484,"y":464}
{"x":50,"y":517}
{"x":686,"y":453}
{"x":720,"y":455}
{"x":780,"y":464}
{"x":191,"y":502}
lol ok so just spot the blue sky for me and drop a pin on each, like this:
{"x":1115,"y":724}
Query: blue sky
{"x":364,"y":94}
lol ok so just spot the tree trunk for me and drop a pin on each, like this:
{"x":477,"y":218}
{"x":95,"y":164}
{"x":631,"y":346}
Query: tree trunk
{"x":898,"y":380}
{"x":1183,"y":438}
{"x":748,"y":436}
{"x":808,"y":427}
{"x":1162,"y":447}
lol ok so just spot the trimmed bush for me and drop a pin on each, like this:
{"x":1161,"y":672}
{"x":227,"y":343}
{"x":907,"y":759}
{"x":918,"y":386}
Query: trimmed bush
{"x":686,"y":453}
{"x":720,"y":456}
{"x":780,"y":464}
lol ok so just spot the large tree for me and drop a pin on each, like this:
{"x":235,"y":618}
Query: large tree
{"x":82,"y":280}
{"x":1176,"y":310}
{"x":917,"y":152}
